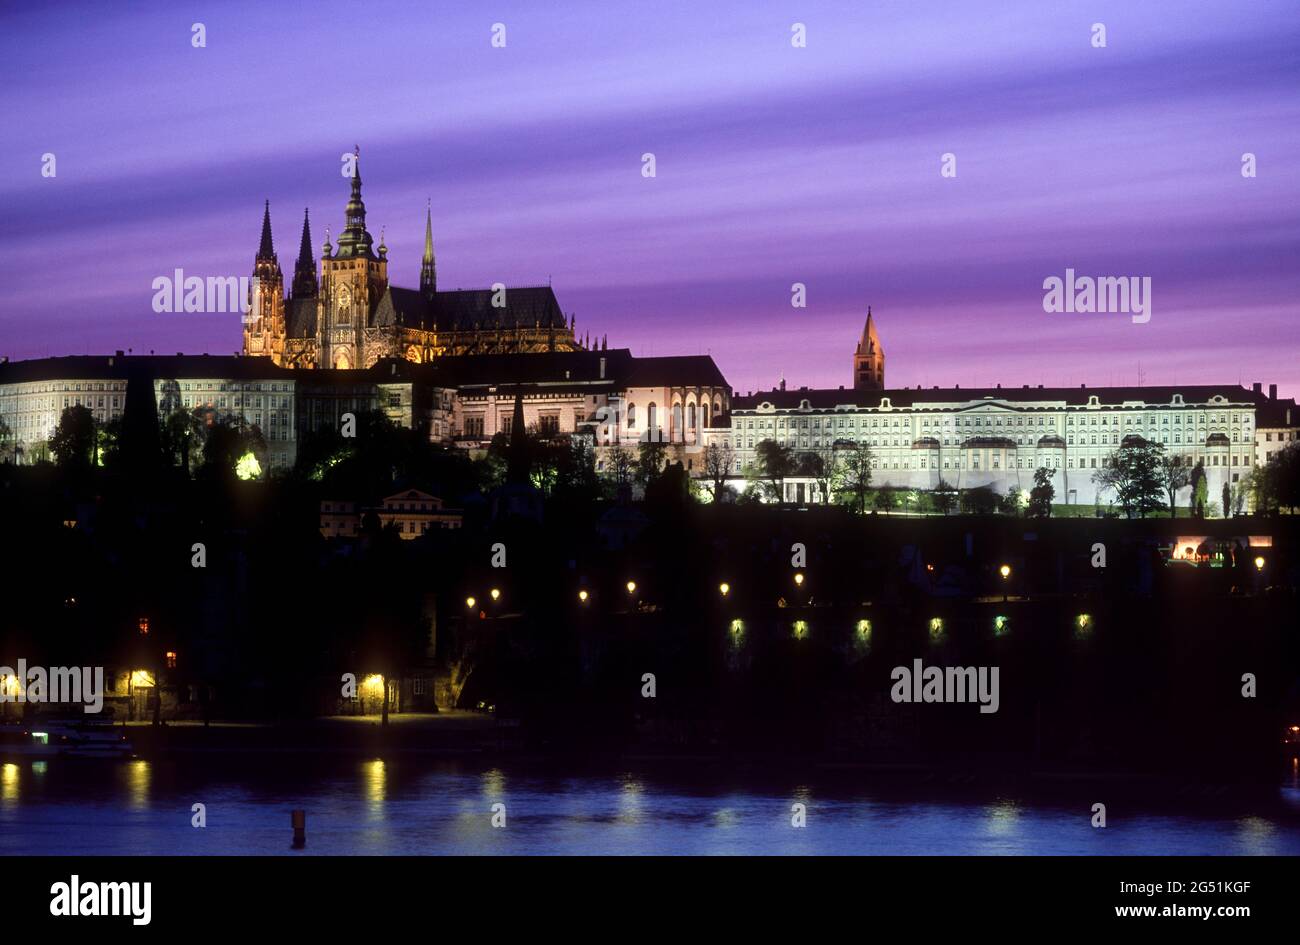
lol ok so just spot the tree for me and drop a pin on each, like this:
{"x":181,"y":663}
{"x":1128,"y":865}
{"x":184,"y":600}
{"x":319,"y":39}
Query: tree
{"x":1173,"y":476}
{"x":981,"y":500}
{"x":1042,"y":494}
{"x":180,"y":431}
{"x":718,"y":462}
{"x":1227,"y":500}
{"x":1012,"y":502}
{"x":1277,"y":484}
{"x":73,"y":442}
{"x":651,"y":456}
{"x":620,"y":467}
{"x":1200,"y":490}
{"x":8,"y":442}
{"x":775,"y":462}
{"x":944,"y":497}
{"x":1133,"y":472}
{"x":853,"y":474}
{"x":820,"y":468}
{"x":885,"y":499}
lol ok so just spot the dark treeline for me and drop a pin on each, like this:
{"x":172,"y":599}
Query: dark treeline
{"x":275,"y":614}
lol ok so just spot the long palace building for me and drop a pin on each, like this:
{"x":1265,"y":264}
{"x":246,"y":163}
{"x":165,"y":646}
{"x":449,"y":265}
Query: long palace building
{"x":459,"y":401}
{"x":997,"y":437}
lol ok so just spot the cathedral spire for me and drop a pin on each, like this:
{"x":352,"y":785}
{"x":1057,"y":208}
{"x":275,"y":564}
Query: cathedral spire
{"x":428,"y":271}
{"x":355,"y":240}
{"x":304,"y":271}
{"x":266,"y":250}
{"x":869,"y":358}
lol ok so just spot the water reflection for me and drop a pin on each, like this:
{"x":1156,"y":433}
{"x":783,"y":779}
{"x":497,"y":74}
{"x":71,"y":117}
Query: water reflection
{"x":375,"y":785}
{"x":139,"y":779}
{"x":10,"y":790}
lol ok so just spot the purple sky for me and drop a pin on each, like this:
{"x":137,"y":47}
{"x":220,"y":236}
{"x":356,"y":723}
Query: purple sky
{"x":775,"y":165}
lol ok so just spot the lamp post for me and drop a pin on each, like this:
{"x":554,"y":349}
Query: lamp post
{"x":1005,"y":571}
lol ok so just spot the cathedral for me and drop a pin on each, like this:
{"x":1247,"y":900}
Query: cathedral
{"x":351,"y":316}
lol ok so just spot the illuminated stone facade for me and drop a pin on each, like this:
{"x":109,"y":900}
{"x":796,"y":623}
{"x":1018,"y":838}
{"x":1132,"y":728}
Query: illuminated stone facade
{"x":351,"y":316}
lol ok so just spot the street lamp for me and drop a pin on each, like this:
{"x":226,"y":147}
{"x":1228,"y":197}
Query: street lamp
{"x":496,"y":593}
{"x":798,"y":578}
{"x":724,"y":588}
{"x":1005,"y":571}
{"x":631,"y":587}
{"x":470,"y":602}
{"x":582,"y":596}
{"x":1259,"y":563}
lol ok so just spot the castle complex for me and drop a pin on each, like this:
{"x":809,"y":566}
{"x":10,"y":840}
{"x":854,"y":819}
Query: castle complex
{"x":352,"y":316}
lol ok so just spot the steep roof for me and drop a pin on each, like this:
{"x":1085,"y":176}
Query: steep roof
{"x":676,"y":371}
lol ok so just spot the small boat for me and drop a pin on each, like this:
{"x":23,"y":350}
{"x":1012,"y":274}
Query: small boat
{"x":77,"y":738}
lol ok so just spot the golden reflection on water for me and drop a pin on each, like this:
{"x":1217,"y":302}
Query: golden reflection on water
{"x":9,"y":786}
{"x":139,"y":779}
{"x":375,"y":785}
{"x":493,"y":784}
{"x":1003,"y":818}
{"x":631,"y":800}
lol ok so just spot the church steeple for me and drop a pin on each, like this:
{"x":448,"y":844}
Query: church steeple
{"x":869,"y":358}
{"x":428,"y":271}
{"x":304,"y":271}
{"x":266,"y":251}
{"x":355,"y":241}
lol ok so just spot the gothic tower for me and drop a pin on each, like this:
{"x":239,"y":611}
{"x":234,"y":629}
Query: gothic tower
{"x":869,"y":359}
{"x":264,"y":328}
{"x":304,"y":271}
{"x":428,"y":272}
{"x":353,"y":278}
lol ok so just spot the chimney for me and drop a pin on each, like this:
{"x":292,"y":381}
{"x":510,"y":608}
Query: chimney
{"x":602,"y":369}
{"x":1272,"y":392}
{"x":1257,"y":387}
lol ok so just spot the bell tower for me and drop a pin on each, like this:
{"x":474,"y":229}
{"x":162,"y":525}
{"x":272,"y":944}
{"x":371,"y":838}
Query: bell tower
{"x":353,"y":278}
{"x":869,"y":359}
{"x":264,"y":328}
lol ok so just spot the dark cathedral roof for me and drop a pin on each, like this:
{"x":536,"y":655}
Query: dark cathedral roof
{"x":461,"y":310}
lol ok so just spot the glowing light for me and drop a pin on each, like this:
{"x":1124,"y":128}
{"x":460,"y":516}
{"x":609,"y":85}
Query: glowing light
{"x":248,"y":467}
{"x":936,"y":627}
{"x":582,"y":596}
{"x":1000,"y":624}
{"x":798,"y":578}
{"x":725,"y":588}
{"x":863,"y":629}
{"x":800,"y":629}
{"x":470,"y":602}
{"x":496,"y":593}
{"x":631,"y":587}
{"x":141,"y":677}
{"x":144,"y":626}
{"x":737,"y":627}
{"x":1259,"y":563}
{"x":1005,"y":571}
{"x":171,"y":659}
{"x":1083,"y":623}
{"x":374,"y":681}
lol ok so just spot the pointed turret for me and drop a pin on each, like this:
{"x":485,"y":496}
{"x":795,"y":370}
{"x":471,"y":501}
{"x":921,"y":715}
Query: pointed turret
{"x":267,"y":249}
{"x":304,"y":271}
{"x":428,"y":271}
{"x":869,"y":358}
{"x":518,"y":464}
{"x":355,"y":240}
